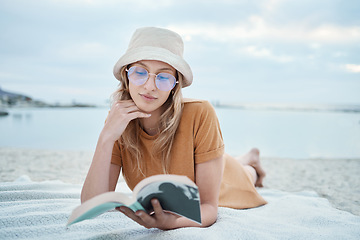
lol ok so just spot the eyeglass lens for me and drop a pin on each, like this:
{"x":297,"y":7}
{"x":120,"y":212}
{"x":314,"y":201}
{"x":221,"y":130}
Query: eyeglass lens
{"x":139,"y":76}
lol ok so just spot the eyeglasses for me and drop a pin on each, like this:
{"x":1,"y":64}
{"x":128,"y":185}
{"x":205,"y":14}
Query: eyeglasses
{"x":139,"y":76}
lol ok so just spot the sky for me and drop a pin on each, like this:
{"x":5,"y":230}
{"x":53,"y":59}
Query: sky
{"x":275,"y":51}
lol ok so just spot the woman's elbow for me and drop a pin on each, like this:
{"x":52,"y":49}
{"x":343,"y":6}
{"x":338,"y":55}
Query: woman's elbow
{"x":209,"y":215}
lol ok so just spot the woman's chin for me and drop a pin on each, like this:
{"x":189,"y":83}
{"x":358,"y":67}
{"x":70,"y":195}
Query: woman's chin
{"x":145,"y":109}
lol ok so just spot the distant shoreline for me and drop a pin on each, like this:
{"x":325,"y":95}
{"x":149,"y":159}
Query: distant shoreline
{"x":53,"y":106}
{"x":10,"y":99}
{"x":240,"y":106}
{"x":76,"y":105}
{"x":291,"y":107}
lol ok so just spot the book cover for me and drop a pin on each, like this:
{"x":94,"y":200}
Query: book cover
{"x":177,"y":194}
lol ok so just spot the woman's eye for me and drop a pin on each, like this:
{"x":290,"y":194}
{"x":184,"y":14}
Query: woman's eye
{"x":163,"y":78}
{"x":141,"y":73}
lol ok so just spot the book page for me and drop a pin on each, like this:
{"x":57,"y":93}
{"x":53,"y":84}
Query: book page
{"x":100,"y":204}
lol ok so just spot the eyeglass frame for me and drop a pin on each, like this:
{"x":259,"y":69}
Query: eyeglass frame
{"x":149,"y":74}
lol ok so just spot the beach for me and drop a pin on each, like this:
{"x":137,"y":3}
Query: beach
{"x":337,"y":180}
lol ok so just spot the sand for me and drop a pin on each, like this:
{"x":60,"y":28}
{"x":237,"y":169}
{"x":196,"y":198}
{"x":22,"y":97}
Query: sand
{"x":338,"y":180}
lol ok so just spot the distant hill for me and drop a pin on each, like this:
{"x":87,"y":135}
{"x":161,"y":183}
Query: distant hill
{"x":5,"y":94}
{"x":11,"y":98}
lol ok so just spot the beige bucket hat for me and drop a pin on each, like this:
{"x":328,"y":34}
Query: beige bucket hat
{"x":151,"y":43}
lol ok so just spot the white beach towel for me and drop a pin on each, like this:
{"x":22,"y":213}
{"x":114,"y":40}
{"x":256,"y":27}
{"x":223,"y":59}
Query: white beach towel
{"x":39,"y":210}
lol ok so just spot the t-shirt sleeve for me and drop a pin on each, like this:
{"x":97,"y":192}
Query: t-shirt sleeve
{"x":116,"y":154}
{"x":208,"y":141}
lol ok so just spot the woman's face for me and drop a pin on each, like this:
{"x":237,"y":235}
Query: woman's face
{"x":147,"y":96}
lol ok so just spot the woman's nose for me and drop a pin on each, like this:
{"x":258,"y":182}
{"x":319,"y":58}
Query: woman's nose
{"x":150,"y":83}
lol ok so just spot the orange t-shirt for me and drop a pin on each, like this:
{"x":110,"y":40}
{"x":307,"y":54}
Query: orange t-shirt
{"x":198,"y":139}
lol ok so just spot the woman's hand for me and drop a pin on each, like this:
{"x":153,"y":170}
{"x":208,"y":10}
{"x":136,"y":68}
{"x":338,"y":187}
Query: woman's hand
{"x":160,"y":219}
{"x":103,"y":175}
{"x":121,"y":113}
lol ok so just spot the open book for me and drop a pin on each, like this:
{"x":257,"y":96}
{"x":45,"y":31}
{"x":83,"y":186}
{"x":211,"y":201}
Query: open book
{"x":177,"y":194}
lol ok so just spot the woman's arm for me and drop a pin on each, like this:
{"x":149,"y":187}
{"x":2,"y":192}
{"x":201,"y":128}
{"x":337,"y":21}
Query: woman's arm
{"x":102,"y":176}
{"x":208,"y":180}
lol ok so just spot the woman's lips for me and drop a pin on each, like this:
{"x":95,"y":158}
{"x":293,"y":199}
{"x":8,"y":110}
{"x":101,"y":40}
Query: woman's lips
{"x":148,"y":97}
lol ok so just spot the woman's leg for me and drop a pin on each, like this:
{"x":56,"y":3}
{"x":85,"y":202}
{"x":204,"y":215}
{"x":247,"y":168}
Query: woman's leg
{"x":251,"y":162}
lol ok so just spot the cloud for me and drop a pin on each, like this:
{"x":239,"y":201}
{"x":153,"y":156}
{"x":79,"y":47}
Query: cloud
{"x":333,"y":34}
{"x":271,"y":5}
{"x":141,"y":4}
{"x":80,"y":2}
{"x":256,"y":27}
{"x":355,"y":68}
{"x":83,"y":50}
{"x":74,"y":43}
{"x":76,"y":91}
{"x":265,"y":53}
{"x":10,"y":76}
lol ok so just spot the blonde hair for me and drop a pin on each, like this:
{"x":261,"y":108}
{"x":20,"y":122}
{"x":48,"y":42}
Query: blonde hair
{"x":169,"y":122}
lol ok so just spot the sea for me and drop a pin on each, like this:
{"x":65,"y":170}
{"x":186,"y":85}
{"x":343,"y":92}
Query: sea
{"x":296,"y":134}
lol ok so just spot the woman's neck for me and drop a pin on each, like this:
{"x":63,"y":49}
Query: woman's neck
{"x":151,"y":125}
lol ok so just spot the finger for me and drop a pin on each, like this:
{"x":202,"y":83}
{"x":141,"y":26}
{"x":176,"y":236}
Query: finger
{"x":133,"y":108}
{"x":129,"y":213}
{"x":124,"y":210}
{"x":134,"y":115}
{"x":157,"y":207}
{"x":123,"y":103}
{"x":141,"y":218}
{"x":129,"y":107}
{"x":124,"y":108}
{"x":145,"y":219}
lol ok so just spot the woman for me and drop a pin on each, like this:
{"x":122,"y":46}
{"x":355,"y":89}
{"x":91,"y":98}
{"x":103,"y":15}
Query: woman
{"x":151,"y":130}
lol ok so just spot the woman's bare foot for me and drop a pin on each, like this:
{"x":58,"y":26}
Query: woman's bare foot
{"x":252,"y":158}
